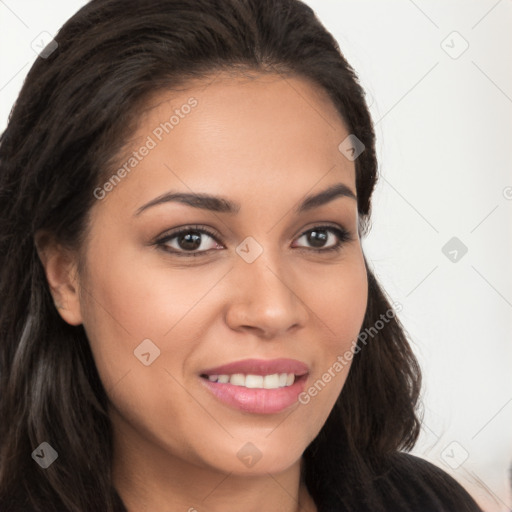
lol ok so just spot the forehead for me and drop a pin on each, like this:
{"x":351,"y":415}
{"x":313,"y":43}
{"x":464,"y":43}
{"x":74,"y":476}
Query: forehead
{"x":257,"y":133}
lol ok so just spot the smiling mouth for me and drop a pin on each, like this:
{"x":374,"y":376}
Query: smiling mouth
{"x":256,"y":394}
{"x":257,"y":386}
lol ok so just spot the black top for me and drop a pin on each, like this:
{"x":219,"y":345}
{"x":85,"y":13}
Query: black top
{"x":412,"y":484}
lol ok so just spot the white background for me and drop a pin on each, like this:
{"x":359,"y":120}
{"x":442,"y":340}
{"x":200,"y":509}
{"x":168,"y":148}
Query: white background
{"x":444,"y":129}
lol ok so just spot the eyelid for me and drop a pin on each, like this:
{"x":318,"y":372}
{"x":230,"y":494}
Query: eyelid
{"x":322,"y":225}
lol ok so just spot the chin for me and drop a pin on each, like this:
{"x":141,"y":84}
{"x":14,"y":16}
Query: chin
{"x":259,"y":457}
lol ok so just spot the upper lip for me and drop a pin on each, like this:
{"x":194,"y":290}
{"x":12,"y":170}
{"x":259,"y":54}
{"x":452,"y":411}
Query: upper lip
{"x":260,"y":367}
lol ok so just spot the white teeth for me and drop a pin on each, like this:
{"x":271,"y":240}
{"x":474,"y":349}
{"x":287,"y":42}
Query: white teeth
{"x":238,"y":379}
{"x":274,"y":381}
{"x":271,"y":381}
{"x":253,"y":381}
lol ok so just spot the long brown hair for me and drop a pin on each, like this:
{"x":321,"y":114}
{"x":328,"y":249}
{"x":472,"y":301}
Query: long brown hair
{"x":75,"y":111}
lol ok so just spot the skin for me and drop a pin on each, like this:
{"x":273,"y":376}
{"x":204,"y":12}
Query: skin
{"x":266,"y":143}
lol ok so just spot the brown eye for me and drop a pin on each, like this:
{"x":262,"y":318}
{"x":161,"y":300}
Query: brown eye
{"x":317,"y":238}
{"x":189,"y":242}
{"x":325,"y":238}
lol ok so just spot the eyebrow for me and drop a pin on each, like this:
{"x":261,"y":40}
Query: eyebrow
{"x":223,"y":205}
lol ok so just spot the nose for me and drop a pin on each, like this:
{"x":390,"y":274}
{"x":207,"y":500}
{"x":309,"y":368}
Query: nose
{"x":266,"y":298}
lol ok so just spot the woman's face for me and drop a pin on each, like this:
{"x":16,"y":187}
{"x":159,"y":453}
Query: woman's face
{"x":262,"y":291}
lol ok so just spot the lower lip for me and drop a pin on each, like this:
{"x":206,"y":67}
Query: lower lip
{"x":257,"y":400}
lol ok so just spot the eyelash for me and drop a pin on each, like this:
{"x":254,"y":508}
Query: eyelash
{"x":342,"y":234}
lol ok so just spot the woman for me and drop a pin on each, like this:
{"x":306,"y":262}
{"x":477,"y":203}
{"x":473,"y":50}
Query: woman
{"x":188,"y":320}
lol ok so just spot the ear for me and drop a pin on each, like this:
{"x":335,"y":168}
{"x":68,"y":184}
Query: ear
{"x":61,"y":269}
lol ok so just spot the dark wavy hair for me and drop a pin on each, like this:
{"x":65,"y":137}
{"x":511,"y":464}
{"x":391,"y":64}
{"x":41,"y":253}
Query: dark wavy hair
{"x":77,"y":108}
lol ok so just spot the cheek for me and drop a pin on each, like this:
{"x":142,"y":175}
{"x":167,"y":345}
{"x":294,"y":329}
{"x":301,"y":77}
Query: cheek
{"x":126,"y":305}
{"x":339,"y":305}
{"x":128,"y":299}
{"x":339,"y":301}
{"x":345,"y":302}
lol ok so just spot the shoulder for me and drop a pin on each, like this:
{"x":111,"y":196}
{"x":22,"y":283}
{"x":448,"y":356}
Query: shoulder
{"x":412,"y":483}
